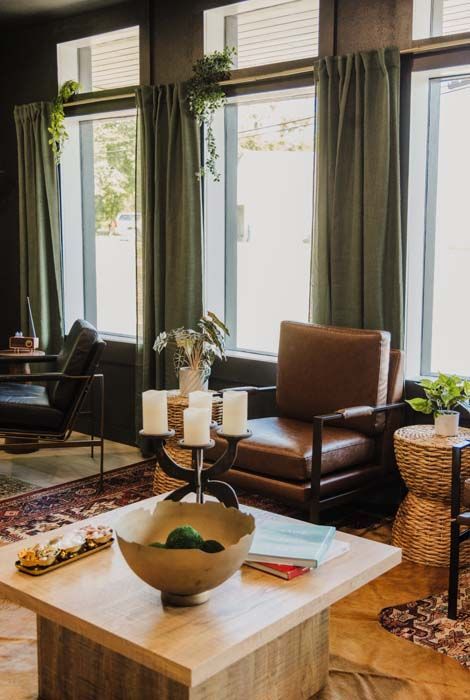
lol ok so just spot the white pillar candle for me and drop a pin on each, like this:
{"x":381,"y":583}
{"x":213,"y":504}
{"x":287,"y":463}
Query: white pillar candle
{"x":200,"y":399}
{"x":155,"y":412}
{"x":235,"y":412}
{"x":196,"y":426}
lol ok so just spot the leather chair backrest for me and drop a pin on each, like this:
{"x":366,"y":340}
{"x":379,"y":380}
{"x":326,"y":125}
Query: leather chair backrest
{"x":322,"y":369}
{"x":77,"y":357}
{"x":396,"y":376}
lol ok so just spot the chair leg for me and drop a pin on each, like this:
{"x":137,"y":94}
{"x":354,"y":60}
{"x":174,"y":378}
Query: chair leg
{"x":101,"y":484}
{"x":314,"y":511}
{"x":92,"y":414}
{"x":453,"y":571}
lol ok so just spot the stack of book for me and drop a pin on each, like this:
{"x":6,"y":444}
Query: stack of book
{"x":288,"y":548}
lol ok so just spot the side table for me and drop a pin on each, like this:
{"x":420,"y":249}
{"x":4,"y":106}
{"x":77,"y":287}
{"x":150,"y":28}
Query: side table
{"x":422,"y":524}
{"x":176,"y":405}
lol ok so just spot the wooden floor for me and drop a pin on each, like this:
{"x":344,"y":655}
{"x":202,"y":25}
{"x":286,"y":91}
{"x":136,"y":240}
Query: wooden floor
{"x":48,"y":467}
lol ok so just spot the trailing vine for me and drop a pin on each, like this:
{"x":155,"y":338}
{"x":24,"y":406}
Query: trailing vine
{"x":57,"y":129}
{"x":205,"y":97}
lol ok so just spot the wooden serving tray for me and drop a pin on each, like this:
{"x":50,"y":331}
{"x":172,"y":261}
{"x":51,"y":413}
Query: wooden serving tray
{"x":41,"y":570}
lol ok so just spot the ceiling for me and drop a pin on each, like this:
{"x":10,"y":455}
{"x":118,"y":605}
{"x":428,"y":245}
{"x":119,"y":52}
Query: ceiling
{"x":17,"y":10}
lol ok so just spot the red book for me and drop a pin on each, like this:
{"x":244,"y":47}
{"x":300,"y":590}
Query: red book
{"x":286,"y":571}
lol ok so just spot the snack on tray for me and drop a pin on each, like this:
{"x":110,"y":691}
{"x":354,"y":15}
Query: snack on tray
{"x":99,"y":534}
{"x":39,"y":555}
{"x":70,"y":544}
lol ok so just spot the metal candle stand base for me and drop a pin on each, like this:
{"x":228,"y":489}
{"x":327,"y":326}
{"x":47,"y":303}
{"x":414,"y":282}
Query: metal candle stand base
{"x":199,"y":480}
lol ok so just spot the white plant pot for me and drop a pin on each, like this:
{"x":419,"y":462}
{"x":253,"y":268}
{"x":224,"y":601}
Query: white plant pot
{"x":192,"y":380}
{"x":446,"y":423}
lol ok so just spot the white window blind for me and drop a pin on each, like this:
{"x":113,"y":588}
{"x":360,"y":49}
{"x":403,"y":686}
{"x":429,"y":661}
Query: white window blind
{"x":455,"y":16}
{"x":282,"y":32}
{"x":115,"y":62}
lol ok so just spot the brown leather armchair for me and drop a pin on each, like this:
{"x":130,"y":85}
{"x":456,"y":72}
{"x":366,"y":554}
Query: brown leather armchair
{"x":338,"y":397}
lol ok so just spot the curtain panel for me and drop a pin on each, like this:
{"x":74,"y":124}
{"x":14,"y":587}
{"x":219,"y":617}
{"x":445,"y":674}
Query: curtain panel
{"x":39,"y":225}
{"x":357,"y":256}
{"x":169,"y":246}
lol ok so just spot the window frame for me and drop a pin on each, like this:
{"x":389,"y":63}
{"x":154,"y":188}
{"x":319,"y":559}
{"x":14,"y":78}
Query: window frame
{"x":421,"y":221}
{"x":259,"y":80}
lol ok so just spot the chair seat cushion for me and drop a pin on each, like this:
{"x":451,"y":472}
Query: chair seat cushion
{"x":282,"y":448}
{"x":27,"y":406}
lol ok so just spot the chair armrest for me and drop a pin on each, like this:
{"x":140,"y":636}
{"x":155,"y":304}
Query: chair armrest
{"x":358,"y":411}
{"x":23,"y":358}
{"x":45,"y":377}
{"x":250,"y":389}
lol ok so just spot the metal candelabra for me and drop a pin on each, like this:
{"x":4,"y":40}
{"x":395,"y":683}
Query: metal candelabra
{"x":199,"y":480}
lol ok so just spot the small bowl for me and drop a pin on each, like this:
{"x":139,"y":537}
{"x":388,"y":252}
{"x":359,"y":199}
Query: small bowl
{"x":185,"y":576}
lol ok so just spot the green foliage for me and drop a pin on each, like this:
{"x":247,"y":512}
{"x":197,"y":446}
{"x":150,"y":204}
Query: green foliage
{"x":56,"y":128}
{"x":184,"y":537}
{"x":205,"y":97}
{"x":212,"y":546}
{"x":114,"y":168}
{"x":196,"y":349}
{"x":445,"y":393}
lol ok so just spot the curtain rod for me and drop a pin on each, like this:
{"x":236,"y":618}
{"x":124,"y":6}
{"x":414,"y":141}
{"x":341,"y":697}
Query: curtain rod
{"x":288,"y":72}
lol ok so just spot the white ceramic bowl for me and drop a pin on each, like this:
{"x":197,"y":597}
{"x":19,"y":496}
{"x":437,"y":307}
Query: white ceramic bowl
{"x":184,"y":576}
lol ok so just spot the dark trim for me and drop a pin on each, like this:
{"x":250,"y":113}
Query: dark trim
{"x":327,"y":27}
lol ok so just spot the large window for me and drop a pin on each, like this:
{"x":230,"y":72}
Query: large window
{"x":99,"y":222}
{"x":97,"y":177}
{"x":440,"y":17}
{"x":268,"y":216}
{"x":439,"y":212}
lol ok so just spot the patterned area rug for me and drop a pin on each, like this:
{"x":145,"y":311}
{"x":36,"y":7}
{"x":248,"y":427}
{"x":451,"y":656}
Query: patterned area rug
{"x":49,"y":508}
{"x":425,"y":622}
{"x":9,"y":486}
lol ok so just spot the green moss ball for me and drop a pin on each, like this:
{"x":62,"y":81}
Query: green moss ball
{"x":184,"y":537}
{"x":212,"y":546}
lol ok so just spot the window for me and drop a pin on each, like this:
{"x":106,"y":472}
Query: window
{"x":440,"y":17}
{"x":101,"y":62}
{"x":440,"y":209}
{"x":99,"y":223}
{"x":263,"y":270}
{"x":265,"y":32}
{"x":97,"y":180}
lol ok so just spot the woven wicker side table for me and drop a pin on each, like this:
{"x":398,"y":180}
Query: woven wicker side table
{"x":422,"y":524}
{"x":176,"y":405}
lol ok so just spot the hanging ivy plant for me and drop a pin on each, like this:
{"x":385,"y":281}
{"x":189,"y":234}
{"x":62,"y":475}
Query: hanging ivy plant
{"x":57,"y":129}
{"x":205,"y":97}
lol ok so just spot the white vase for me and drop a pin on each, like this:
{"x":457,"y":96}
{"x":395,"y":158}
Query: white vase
{"x":192,"y":380}
{"x":446,"y":423}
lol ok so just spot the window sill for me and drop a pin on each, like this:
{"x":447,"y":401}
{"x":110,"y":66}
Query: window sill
{"x":252,"y":356}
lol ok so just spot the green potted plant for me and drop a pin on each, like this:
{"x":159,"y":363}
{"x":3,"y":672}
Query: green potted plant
{"x":195,"y":351}
{"x":442,"y":396}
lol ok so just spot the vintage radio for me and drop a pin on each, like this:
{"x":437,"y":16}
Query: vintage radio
{"x":23,"y":343}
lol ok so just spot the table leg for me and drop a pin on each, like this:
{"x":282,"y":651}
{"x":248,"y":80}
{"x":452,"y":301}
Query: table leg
{"x":292,"y":667}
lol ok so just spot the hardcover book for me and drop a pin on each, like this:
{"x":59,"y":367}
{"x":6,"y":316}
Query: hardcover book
{"x":282,"y":540}
{"x":288,"y":572}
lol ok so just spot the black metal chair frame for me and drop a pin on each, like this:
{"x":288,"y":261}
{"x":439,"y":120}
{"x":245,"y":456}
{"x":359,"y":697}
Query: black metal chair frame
{"x":58,"y":438}
{"x":456,"y":537}
{"x":316,"y":503}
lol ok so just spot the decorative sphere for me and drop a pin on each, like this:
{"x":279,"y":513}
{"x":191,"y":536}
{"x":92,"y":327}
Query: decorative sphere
{"x":184,"y":537}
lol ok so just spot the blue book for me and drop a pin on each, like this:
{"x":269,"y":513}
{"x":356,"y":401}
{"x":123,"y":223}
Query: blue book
{"x":282,"y":540}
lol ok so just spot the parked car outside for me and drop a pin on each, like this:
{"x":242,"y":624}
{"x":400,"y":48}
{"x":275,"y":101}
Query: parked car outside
{"x":124,"y":224}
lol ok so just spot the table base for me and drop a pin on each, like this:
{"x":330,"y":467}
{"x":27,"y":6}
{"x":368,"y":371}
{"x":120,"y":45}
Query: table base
{"x":292,"y":667}
{"x":422,"y":530}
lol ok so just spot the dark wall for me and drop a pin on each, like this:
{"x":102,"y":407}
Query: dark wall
{"x":171,"y":40}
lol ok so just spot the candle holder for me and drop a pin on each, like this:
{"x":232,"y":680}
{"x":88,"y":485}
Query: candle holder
{"x":199,"y":480}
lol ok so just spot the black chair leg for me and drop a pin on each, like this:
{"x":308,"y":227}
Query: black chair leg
{"x":92,"y":414}
{"x":101,"y":485}
{"x":314,"y":514}
{"x":453,"y":571}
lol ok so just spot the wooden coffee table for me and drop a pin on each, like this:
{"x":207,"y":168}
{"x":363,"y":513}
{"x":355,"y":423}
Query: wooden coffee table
{"x":103,"y":633}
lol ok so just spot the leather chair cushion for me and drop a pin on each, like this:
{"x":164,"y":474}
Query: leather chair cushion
{"x":322,"y":369}
{"x":27,"y":406}
{"x":73,"y":359}
{"x":300,"y":492}
{"x":282,"y":448}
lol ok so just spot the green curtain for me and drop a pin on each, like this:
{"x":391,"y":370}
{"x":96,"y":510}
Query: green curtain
{"x":40,"y":240}
{"x":169,"y":254}
{"x":357,"y":256}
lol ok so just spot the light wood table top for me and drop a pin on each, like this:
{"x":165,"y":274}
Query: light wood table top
{"x":102,"y":599}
